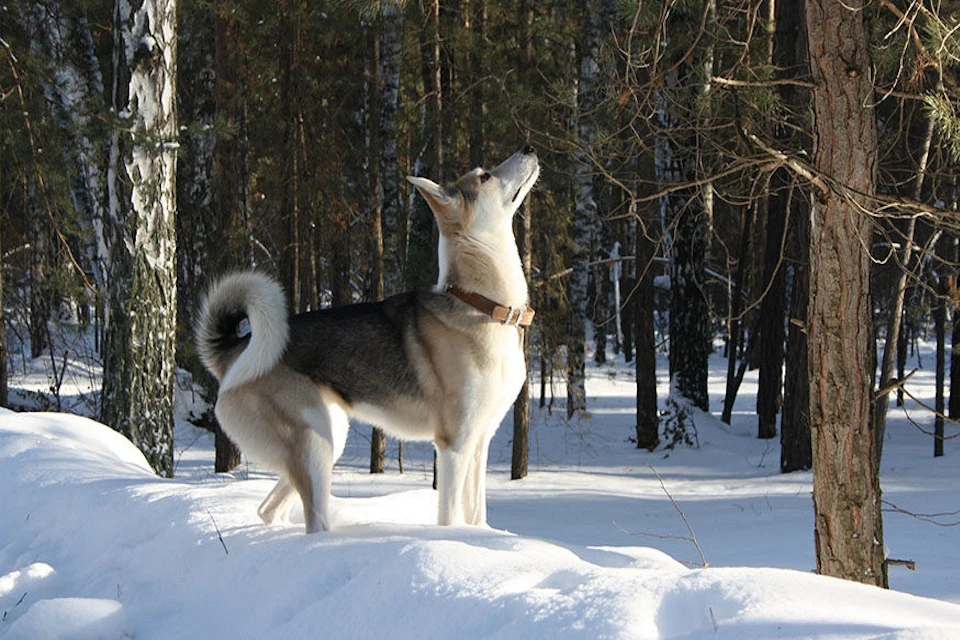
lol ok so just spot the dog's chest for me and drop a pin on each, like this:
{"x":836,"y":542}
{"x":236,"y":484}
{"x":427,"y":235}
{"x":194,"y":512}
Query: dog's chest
{"x":512,"y":369}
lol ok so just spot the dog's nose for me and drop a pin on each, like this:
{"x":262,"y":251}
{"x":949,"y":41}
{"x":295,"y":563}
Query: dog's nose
{"x":528,"y":150}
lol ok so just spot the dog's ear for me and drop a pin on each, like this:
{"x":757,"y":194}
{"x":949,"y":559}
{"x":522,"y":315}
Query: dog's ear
{"x":441,"y":203}
{"x":431,"y":191}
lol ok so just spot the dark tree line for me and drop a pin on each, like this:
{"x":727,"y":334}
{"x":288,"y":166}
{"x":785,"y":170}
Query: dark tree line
{"x":785,"y":198}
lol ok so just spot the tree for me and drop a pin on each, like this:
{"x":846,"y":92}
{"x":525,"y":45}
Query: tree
{"x":685,"y":214}
{"x":519,"y":458}
{"x":202,"y":229}
{"x":586,"y":224}
{"x":790,"y":62}
{"x":137,"y":397}
{"x":846,"y":483}
{"x":73,"y":87}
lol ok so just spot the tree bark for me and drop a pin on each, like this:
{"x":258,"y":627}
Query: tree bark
{"x":940,"y":324}
{"x":137,"y":397}
{"x":519,"y":462}
{"x":685,"y":214}
{"x":292,"y":114}
{"x":585,"y":224}
{"x":378,"y":440}
{"x":74,"y":89}
{"x":521,"y":407}
{"x":735,"y":324}
{"x":4,"y":373}
{"x":201,"y":228}
{"x":894,"y":323}
{"x":648,"y":416}
{"x":790,"y":60}
{"x":795,"y":446}
{"x":771,"y":321}
{"x":846,"y":482}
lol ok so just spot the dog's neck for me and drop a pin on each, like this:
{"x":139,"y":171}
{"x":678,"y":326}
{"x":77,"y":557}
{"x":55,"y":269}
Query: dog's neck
{"x":489,"y":266}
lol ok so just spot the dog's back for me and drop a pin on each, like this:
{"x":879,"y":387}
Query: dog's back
{"x":365,"y":352}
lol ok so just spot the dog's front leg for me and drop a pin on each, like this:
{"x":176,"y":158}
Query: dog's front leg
{"x":475,"y":486}
{"x":452,"y":467}
{"x":277,"y":503}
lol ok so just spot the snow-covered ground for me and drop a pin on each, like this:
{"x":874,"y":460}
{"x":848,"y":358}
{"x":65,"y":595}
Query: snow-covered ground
{"x":597,"y":542}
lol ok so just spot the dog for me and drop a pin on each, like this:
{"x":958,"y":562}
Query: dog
{"x":442,"y":365}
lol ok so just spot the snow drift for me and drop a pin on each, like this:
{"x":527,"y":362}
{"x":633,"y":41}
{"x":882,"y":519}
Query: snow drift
{"x":93,"y":545}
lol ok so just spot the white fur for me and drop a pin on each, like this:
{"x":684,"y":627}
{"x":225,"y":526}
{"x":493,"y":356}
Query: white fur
{"x":478,"y":401}
{"x":263,"y":298}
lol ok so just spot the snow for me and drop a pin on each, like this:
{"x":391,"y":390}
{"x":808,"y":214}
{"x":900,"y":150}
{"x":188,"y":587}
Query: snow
{"x":594,"y":543}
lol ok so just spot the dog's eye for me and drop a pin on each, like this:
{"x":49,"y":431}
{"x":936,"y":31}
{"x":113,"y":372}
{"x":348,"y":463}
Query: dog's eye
{"x":484,"y":177}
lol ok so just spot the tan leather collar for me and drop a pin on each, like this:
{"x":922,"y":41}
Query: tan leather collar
{"x":518,"y":316}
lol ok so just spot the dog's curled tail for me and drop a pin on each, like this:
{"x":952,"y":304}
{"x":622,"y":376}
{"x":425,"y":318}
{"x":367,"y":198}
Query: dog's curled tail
{"x":243,"y":328}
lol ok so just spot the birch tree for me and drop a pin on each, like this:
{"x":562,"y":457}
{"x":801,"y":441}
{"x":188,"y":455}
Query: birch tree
{"x":61,"y":38}
{"x":137,"y":397}
{"x":683,"y":212}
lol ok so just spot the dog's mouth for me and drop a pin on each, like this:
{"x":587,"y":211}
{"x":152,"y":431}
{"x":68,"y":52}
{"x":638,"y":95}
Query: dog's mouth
{"x":529,"y":178}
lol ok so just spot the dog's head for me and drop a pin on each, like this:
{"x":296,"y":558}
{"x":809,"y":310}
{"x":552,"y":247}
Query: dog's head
{"x":481,"y":201}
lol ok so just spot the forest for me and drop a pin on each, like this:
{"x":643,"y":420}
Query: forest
{"x":775,"y":180}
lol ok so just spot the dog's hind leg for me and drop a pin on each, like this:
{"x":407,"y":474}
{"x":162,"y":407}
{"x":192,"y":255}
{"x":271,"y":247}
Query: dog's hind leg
{"x":310,"y":471}
{"x":319,"y":448}
{"x":277,"y":503}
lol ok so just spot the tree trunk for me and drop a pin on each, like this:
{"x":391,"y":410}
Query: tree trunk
{"x":772,"y":331}
{"x":230,"y":175}
{"x":795,"y":446}
{"x":586,"y":224}
{"x":846,"y":482}
{"x":74,"y":89}
{"x":137,"y":397}
{"x":940,"y":323}
{"x":201,"y":229}
{"x":4,"y":373}
{"x":378,"y":440}
{"x":894,"y":328}
{"x":685,"y":215}
{"x":41,"y":275}
{"x":521,"y":408}
{"x":292,"y":114}
{"x":790,"y":59}
{"x":519,"y":462}
{"x":421,"y":238}
{"x":735,"y":324}
{"x":390,"y":178}
{"x":648,"y":417}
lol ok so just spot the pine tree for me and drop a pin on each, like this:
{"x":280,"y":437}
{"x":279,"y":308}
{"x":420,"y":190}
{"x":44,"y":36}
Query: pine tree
{"x":846,"y":482}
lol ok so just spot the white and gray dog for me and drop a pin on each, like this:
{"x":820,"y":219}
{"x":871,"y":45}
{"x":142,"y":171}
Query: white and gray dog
{"x":443,"y":365}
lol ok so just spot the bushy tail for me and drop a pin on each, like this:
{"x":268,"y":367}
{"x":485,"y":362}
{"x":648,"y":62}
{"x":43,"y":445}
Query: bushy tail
{"x":243,"y":328}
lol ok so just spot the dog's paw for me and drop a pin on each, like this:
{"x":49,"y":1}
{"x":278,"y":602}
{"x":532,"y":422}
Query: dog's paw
{"x":272,"y":516}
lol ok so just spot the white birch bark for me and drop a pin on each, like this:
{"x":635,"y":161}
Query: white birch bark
{"x":139,"y":352}
{"x":74,"y":88}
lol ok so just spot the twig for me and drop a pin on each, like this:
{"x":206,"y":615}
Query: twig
{"x":691,"y":539}
{"x":219,"y":535}
{"x":693,"y":536}
{"x":930,"y":518}
{"x":923,"y":405}
{"x":893,"y":385}
{"x":909,"y":564}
